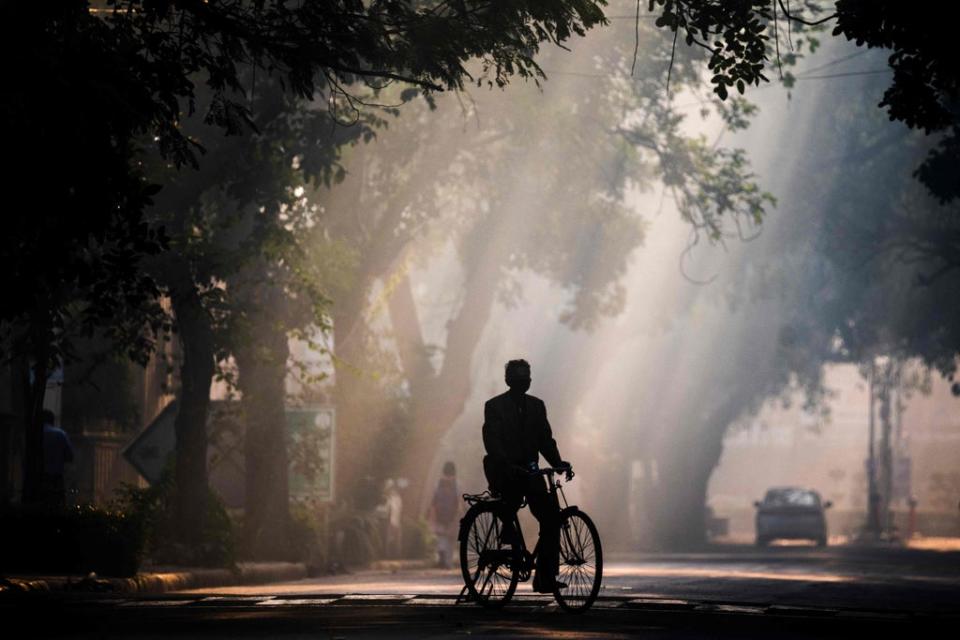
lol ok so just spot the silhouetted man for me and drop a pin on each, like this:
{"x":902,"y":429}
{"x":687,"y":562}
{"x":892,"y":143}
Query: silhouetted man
{"x":515,"y":433}
{"x":57,"y":451}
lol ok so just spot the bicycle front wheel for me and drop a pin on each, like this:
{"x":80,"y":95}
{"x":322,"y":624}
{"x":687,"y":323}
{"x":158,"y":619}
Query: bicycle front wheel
{"x":487,"y":557}
{"x":581,"y":561}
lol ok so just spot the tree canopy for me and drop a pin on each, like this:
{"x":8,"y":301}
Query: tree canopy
{"x":749,"y":38}
{"x":129,"y":71}
{"x":92,"y":85}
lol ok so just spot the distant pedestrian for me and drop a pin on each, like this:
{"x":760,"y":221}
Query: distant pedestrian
{"x":444,"y":514}
{"x":57,"y":452}
{"x":393,"y":510}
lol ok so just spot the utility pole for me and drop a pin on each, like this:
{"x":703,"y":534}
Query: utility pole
{"x":885,"y":479}
{"x":872,"y":528}
{"x":884,"y":388}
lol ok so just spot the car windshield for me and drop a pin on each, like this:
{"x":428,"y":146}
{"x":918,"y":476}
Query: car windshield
{"x":791,"y":498}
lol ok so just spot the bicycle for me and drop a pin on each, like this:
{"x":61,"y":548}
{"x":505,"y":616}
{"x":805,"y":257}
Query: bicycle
{"x":494,"y":557}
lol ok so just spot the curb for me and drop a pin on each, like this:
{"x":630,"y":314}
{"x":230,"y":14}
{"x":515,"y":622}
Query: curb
{"x":246,"y":573}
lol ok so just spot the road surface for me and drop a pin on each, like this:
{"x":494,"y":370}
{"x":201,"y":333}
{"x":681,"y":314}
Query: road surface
{"x":784,"y":592}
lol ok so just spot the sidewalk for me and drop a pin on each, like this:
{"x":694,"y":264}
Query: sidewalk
{"x":160,"y":580}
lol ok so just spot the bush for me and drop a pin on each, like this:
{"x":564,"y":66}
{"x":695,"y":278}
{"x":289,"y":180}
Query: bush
{"x":306,"y":538}
{"x":357,"y":537}
{"x":154,"y":508}
{"x":418,"y":539}
{"x":73,"y":541}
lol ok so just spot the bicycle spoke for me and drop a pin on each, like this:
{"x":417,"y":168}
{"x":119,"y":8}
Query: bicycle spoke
{"x":480,"y":536}
{"x":486,"y":559}
{"x":578,"y":563}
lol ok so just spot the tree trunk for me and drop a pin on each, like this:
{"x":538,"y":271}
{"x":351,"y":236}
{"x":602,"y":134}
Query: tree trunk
{"x":262,"y":382}
{"x":439,"y":399}
{"x":196,"y":375}
{"x":679,"y":522}
{"x":685,"y":469}
{"x":35,"y":388}
{"x":354,"y":433}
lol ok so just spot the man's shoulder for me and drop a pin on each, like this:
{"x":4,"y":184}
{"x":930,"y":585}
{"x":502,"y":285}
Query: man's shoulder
{"x":535,"y":400}
{"x":495,"y":400}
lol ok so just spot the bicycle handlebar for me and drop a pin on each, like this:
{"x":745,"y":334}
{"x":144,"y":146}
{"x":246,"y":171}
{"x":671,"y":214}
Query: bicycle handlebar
{"x":549,"y":470}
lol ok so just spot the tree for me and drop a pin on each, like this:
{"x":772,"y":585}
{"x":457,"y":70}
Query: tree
{"x":237,"y":284}
{"x":131,"y":69}
{"x":867,"y":243}
{"x":581,"y":146}
{"x":148,"y":57}
{"x":923,"y":94}
{"x":69,"y":254}
{"x":846,"y":276}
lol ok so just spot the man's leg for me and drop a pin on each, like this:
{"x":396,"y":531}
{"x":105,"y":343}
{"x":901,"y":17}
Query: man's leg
{"x":511,"y":497}
{"x":546,"y":509}
{"x":503,"y":483}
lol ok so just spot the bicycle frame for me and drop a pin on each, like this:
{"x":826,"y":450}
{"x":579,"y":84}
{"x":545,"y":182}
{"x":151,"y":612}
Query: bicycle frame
{"x":528,"y":558}
{"x":501,"y":556}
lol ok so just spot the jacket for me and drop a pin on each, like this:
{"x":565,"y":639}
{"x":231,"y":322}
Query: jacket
{"x":512,"y":437}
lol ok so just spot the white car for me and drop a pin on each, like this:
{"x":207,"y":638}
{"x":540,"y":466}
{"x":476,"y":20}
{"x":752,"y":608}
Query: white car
{"x":791,"y":513}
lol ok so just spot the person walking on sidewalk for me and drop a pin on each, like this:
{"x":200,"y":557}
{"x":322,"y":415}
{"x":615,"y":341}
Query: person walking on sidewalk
{"x":393,"y":510}
{"x":57,"y":452}
{"x":444,"y":514}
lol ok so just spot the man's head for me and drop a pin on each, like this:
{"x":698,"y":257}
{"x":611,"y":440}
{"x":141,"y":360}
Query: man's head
{"x":48,"y":418}
{"x":449,"y":469}
{"x":517,"y":375}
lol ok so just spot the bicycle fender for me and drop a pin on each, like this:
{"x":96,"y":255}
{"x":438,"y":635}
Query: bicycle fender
{"x":570,"y":509}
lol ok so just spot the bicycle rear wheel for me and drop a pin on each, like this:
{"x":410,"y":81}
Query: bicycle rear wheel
{"x":487,"y":557}
{"x":581,"y":561}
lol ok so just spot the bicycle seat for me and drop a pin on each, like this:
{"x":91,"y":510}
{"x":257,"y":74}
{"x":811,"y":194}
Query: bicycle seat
{"x":486,"y":496}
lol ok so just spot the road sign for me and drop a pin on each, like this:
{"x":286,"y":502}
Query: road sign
{"x":152,"y":447}
{"x":310,"y":432}
{"x":310,"y":439}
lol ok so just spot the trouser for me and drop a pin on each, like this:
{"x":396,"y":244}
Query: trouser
{"x":544,"y":506}
{"x":445,"y":534}
{"x":53,"y":491}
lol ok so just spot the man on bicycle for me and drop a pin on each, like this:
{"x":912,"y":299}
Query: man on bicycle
{"x":515,"y":433}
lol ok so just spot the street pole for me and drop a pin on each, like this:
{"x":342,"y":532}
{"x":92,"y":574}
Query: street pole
{"x":873,"y":520}
{"x":885,"y":480}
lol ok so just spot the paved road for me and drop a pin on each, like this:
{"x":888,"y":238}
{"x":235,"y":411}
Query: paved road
{"x":841,"y":577}
{"x":787,"y":592}
{"x":185,"y":618}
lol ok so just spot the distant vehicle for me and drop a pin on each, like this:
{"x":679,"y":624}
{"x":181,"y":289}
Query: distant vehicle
{"x":791,"y":513}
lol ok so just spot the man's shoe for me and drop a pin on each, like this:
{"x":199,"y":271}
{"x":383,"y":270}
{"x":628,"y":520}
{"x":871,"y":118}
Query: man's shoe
{"x":556,"y":585}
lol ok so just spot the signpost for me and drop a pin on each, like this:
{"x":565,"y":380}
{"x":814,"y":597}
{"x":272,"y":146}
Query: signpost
{"x":310,"y":432}
{"x":153,"y":446}
{"x":310,"y":440}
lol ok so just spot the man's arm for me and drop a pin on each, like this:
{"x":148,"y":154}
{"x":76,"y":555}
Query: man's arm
{"x":548,"y":446}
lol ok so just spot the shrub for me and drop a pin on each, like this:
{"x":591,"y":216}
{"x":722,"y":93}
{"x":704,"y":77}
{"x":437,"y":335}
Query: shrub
{"x":154,"y":508}
{"x":306,"y":538}
{"x":79,"y":540}
{"x":357,"y":537}
{"x":418,"y":539}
